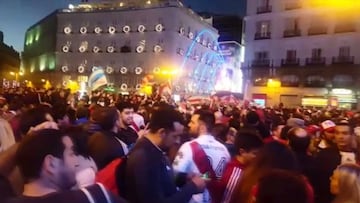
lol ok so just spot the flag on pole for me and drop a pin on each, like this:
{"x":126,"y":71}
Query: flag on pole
{"x":97,"y":79}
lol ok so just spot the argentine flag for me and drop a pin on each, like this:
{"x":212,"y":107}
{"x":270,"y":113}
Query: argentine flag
{"x":97,"y":79}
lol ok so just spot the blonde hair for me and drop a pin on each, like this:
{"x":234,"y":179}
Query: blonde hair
{"x":349,"y":184}
{"x":7,"y":138}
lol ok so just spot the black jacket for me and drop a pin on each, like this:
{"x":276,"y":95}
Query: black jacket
{"x":73,"y":196}
{"x":150,"y":178}
{"x":104,"y":148}
{"x":326,"y":162}
{"x":128,"y":136}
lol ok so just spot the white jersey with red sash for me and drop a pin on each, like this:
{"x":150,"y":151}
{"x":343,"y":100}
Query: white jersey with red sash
{"x":187,"y":161}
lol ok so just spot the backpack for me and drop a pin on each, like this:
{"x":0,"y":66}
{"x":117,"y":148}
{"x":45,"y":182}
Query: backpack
{"x":108,"y":175}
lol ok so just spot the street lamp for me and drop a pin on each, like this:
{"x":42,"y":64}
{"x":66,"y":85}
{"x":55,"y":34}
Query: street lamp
{"x":273,"y":83}
{"x":17,"y":74}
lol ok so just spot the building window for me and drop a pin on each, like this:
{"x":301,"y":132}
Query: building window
{"x":261,"y":59}
{"x":318,"y":26}
{"x":263,"y":30}
{"x":344,"y":56}
{"x":264,"y":6}
{"x":292,"y":28}
{"x":316,"y":53}
{"x":344,"y":52}
{"x":316,"y":58}
{"x":345,"y":26}
{"x":262,"y":55}
{"x":292,"y":4}
{"x":291,"y":55}
{"x":290,"y":59}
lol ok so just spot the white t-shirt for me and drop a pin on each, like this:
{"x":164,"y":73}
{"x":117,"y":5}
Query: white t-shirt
{"x":216,"y":152}
{"x":348,"y":158}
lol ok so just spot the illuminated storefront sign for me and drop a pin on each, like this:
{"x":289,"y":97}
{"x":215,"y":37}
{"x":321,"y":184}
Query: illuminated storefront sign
{"x":341,"y":91}
{"x":314,"y":102}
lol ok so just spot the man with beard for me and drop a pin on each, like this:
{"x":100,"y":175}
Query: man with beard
{"x":148,"y":174}
{"x":126,"y":133}
{"x":203,"y":155}
{"x":48,"y":163}
{"x":329,"y":158}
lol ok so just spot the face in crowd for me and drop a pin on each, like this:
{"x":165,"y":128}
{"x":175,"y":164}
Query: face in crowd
{"x":194,"y":124}
{"x":170,"y":137}
{"x":329,"y":135}
{"x":65,"y":170}
{"x":343,"y":136}
{"x":127,"y":116}
{"x":48,"y":156}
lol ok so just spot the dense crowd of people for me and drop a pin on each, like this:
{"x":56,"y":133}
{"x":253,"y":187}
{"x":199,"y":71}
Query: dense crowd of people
{"x":56,"y":146}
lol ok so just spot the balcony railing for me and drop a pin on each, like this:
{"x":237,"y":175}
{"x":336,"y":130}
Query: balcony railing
{"x":264,"y":9}
{"x":316,"y":61}
{"x":292,"y":5}
{"x":343,"y":60}
{"x":343,"y":28}
{"x":260,"y":63}
{"x":262,"y":35}
{"x":292,"y":33}
{"x":320,"y":30}
{"x":290,"y":62}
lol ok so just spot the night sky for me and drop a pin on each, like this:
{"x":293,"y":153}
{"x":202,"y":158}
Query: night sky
{"x":17,"y":15}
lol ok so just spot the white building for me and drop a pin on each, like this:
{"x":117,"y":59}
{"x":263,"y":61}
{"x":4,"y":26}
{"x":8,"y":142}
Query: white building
{"x":313,"y":50}
{"x":130,"y":39}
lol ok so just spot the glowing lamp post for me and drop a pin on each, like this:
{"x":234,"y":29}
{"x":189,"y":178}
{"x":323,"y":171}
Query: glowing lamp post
{"x":272,"y":85}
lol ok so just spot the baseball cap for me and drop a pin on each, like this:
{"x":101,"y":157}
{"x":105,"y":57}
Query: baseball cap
{"x":328,"y":126}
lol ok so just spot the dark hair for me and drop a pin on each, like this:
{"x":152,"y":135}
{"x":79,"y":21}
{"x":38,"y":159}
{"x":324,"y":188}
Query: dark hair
{"x":248,"y":140}
{"x":71,"y":114}
{"x":207,"y":117}
{"x":345,"y":123}
{"x":105,"y":117}
{"x":252,"y":118}
{"x":164,"y":117}
{"x":32,"y":118}
{"x":82,"y":112}
{"x":284,"y":132}
{"x":80,"y":139}
{"x":298,"y":144}
{"x":59,"y":111}
{"x":124,"y":105}
{"x":280,"y":186}
{"x":34,"y":148}
{"x":273,"y":155}
{"x":220,"y":131}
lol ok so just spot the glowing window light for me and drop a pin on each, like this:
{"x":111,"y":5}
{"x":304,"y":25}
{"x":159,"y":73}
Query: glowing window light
{"x":272,"y":83}
{"x":30,"y":38}
{"x":37,"y":34}
{"x":51,"y":64}
{"x":42,"y":63}
{"x":32,"y":66}
{"x":335,"y":4}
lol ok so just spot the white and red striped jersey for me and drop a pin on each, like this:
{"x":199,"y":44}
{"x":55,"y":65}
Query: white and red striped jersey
{"x":230,"y":179}
{"x":216,"y":152}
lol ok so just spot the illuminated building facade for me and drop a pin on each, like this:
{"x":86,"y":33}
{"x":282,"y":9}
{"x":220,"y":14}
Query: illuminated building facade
{"x":129,"y":40}
{"x":9,"y":63}
{"x":310,"y":48}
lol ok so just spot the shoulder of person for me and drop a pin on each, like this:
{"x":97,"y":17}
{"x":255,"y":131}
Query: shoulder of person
{"x":138,"y":154}
{"x":99,"y":194}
